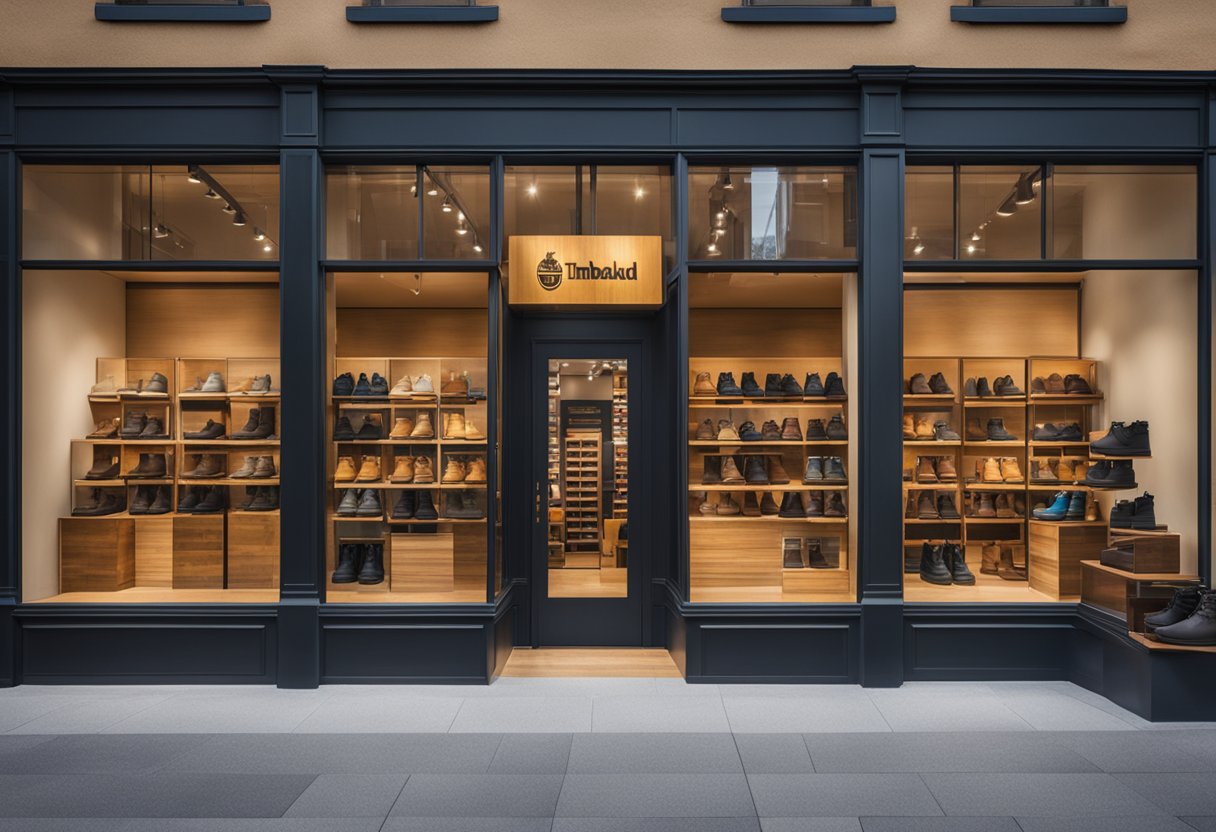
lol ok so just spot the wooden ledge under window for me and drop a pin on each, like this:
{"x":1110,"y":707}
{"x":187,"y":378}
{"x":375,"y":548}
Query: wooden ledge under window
{"x":421,"y":14}
{"x":808,"y":14}
{"x":1038,"y":14}
{"x":175,"y":13}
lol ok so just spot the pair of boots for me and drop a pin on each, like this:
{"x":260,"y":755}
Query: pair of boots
{"x":816,"y":504}
{"x":988,"y":504}
{"x":1139,"y":513}
{"x":259,"y":426}
{"x":414,"y":505}
{"x":211,"y":430}
{"x":824,"y":469}
{"x":462,"y":505}
{"x":925,"y":508}
{"x":999,"y":469}
{"x":137,"y":424}
{"x":101,"y":503}
{"x":206,"y":467}
{"x":150,"y":467}
{"x":1123,"y":440}
{"x":253,"y":386}
{"x":203,"y":499}
{"x":369,"y":430}
{"x":935,"y":385}
{"x":214,"y":383}
{"x":921,"y":427}
{"x":369,"y":469}
{"x":1190,"y":618}
{"x":152,"y":499}
{"x":936,"y":469}
{"x":415,"y":469}
{"x":998,"y":560}
{"x":106,"y":429}
{"x":259,"y":498}
{"x":362,"y":562}
{"x":356,"y":503}
{"x":472,"y":470}
{"x":766,"y":506}
{"x":1067,"y":505}
{"x":256,"y":468}
{"x":156,"y":386}
{"x":977,"y":388}
{"x":105,"y":464}
{"x":344,"y":385}
{"x":1059,"y":470}
{"x":944,"y":564}
{"x":456,"y":426}
{"x":795,"y":556}
{"x":1057,"y":385}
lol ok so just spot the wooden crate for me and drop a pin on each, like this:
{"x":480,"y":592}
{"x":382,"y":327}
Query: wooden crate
{"x":198,"y":552}
{"x":1143,"y":551}
{"x":253,"y":550}
{"x":1132,"y":594}
{"x":424,"y":562}
{"x":1056,"y":551}
{"x":96,"y":554}
{"x":154,"y":551}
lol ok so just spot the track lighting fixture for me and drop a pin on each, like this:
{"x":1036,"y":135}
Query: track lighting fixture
{"x":432,"y":190}
{"x":727,"y":184}
{"x":531,"y":189}
{"x":238,"y":220}
{"x":192,"y":175}
{"x":413,"y":190}
{"x":228,"y":209}
{"x":446,"y":207}
{"x":160,"y":231}
{"x":259,"y":234}
{"x":211,"y":194}
{"x":971,"y":248}
{"x":975,"y":236}
{"x":1008,"y":208}
{"x":1023,"y":193}
{"x":461,"y":228}
{"x":638,"y":192}
{"x":477,"y":246}
{"x":712,"y":248}
{"x":267,"y":247}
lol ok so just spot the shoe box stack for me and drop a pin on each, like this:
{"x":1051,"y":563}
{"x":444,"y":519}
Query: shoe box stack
{"x":182,"y":466}
{"x":408,"y":463}
{"x":768,"y":473}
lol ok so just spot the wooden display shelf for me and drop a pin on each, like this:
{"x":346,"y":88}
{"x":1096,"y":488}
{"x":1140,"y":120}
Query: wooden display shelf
{"x":929,"y":443}
{"x":442,"y":486}
{"x":1098,"y":456}
{"x":917,"y":521}
{"x":1045,"y":443}
{"x":1065,"y":398}
{"x":931,"y":486}
{"x":930,"y":398}
{"x":1064,"y":486}
{"x":994,"y":486}
{"x":230,"y":443}
{"x":331,"y":515}
{"x":748,"y":404}
{"x":995,"y":443}
{"x":784,"y":443}
{"x":993,"y":521}
{"x":768,"y":518}
{"x":121,"y":482}
{"x":770,"y":487}
{"x":1155,"y":646}
{"x":230,"y":481}
{"x":117,"y":441}
{"x":995,"y":401}
{"x":464,"y":520}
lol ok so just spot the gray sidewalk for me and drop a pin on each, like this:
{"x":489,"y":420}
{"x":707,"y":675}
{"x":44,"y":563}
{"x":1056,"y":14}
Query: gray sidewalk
{"x":574,"y":755}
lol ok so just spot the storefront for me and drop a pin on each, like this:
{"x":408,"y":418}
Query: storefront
{"x":332,"y":376}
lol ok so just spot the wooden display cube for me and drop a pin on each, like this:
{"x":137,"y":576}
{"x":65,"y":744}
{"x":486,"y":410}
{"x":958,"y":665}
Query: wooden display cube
{"x":1132,"y":594}
{"x":1056,"y":551}
{"x":1143,"y":551}
{"x":423,"y":562}
{"x":96,"y":554}
{"x":253,"y":550}
{"x":198,"y":552}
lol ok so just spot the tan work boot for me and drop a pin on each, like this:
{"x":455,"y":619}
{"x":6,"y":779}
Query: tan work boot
{"x":403,"y":426}
{"x":1091,"y":508}
{"x":1079,"y":469}
{"x":925,"y":472}
{"x":423,"y":429}
{"x":455,"y":386}
{"x":1005,"y":568}
{"x":369,"y":470}
{"x":909,"y":429}
{"x":455,"y":471}
{"x":705,"y":431}
{"x":1064,"y":470}
{"x":1010,"y":471}
{"x":945,"y":469}
{"x":453,"y":425}
{"x":1003,"y":507}
{"x":992,"y":470}
{"x":471,"y":431}
{"x":402,"y":387}
{"x":976,"y":431}
{"x":403,"y":470}
{"x":345,"y":472}
{"x":726,"y":505}
{"x":924,"y":427}
{"x":776,"y":471}
{"x":727,"y":431}
{"x":991,"y":555}
{"x":703,"y":386}
{"x":424,"y":470}
{"x":730,"y":471}
{"x":477,"y":470}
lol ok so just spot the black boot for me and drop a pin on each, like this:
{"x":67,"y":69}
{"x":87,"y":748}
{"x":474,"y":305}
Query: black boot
{"x":791,"y":553}
{"x":403,"y":508}
{"x":749,"y":386}
{"x":813,"y":386}
{"x":814,"y":554}
{"x":348,"y":557}
{"x":932,"y":565}
{"x":713,"y":470}
{"x":791,"y":505}
{"x":144,"y":495}
{"x":424,"y":507}
{"x":1181,"y":606}
{"x":213,"y":501}
{"x":1198,"y":630}
{"x":959,"y":573}
{"x":1123,"y":440}
{"x":163,"y":502}
{"x":371,"y":571}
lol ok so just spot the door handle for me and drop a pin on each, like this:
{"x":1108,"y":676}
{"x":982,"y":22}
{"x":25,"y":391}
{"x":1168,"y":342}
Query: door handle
{"x":538,"y":507}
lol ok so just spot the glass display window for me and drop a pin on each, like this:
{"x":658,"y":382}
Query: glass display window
{"x":372,"y":212}
{"x":155,"y":476}
{"x":771,"y":464}
{"x":157,"y":212}
{"x":772,"y":213}
{"x":409,"y":435}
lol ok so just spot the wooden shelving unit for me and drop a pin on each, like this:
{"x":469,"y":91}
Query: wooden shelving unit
{"x":620,"y":446}
{"x":582,"y":458}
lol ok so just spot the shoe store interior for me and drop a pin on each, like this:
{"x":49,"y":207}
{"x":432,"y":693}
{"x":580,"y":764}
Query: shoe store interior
{"x":151,"y":398}
{"x":1028,"y":471}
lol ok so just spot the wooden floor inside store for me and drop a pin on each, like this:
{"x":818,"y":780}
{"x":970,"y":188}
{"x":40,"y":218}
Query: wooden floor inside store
{"x":166,"y":595}
{"x":988,"y":589}
{"x":606,"y":582}
{"x":591,"y":661}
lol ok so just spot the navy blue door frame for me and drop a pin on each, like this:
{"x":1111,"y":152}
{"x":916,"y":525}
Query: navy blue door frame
{"x":876,"y":118}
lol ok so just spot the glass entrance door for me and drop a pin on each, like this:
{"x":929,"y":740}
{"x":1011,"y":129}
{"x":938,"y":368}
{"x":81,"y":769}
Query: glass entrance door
{"x":588,"y":490}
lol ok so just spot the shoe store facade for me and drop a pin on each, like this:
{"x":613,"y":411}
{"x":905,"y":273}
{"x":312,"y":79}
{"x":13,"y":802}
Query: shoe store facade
{"x":336,"y":376}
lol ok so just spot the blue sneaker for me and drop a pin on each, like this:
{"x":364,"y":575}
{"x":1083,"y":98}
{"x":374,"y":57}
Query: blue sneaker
{"x":1057,"y":510}
{"x":1076,"y":506}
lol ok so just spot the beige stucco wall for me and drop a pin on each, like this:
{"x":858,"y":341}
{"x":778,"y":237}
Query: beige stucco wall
{"x":619,"y":34}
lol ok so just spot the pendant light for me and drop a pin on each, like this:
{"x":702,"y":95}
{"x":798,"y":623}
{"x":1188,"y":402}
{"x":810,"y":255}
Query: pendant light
{"x":1023,"y":194}
{"x":1008,"y":208}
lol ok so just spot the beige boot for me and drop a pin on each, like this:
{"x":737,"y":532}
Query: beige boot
{"x":704,"y":386}
{"x":455,"y":471}
{"x":924,"y":428}
{"x":945,"y":469}
{"x":403,"y":426}
{"x":477,"y":470}
{"x":1010,"y":471}
{"x":471,"y":431}
{"x":369,"y":470}
{"x":454,"y":426}
{"x":730,"y":471}
{"x":403,"y":470}
{"x":423,"y":429}
{"x":345,"y":472}
{"x":1091,"y":508}
{"x":909,"y":428}
{"x":726,"y":505}
{"x":925,"y":472}
{"x":424,"y":470}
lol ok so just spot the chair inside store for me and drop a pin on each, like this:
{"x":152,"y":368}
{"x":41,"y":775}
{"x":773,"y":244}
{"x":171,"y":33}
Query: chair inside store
{"x":588,"y":476}
{"x":769,"y":437}
{"x":160,"y":465}
{"x":407,"y":461}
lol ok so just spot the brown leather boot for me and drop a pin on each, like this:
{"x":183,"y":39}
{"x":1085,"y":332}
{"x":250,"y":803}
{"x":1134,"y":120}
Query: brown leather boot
{"x":992,"y":470}
{"x":751,"y":508}
{"x":945,"y":469}
{"x":1010,"y":471}
{"x":369,"y":469}
{"x":471,"y":431}
{"x":1003,"y":508}
{"x":455,"y":471}
{"x":910,"y":507}
{"x":727,"y":506}
{"x":424,"y":470}
{"x":909,"y":429}
{"x":1091,"y":508}
{"x":991,"y":557}
{"x":985,"y":506}
{"x":1079,"y":469}
{"x":703,"y":386}
{"x":403,"y":426}
{"x":924,"y":427}
{"x":925,"y":472}
{"x":926,"y":508}
{"x":791,"y":430}
{"x":976,"y":431}
{"x":705,"y":431}
{"x":730,"y":472}
{"x":477,"y":470}
{"x":345,"y":472}
{"x":403,"y":470}
{"x":1064,"y":470}
{"x":776,"y":471}
{"x":1006,"y":570}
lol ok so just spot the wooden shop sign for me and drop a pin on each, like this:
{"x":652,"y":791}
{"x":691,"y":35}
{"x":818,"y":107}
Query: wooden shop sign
{"x":586,"y":271}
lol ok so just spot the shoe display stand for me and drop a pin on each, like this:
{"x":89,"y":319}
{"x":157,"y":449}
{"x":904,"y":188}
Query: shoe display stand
{"x":996,"y":488}
{"x":157,"y":543}
{"x":738,"y":556}
{"x":620,"y":446}
{"x":391,"y":430}
{"x":582,"y":485}
{"x":557,"y":524}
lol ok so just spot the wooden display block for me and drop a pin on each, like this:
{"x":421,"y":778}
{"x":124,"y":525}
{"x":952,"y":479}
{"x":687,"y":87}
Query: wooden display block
{"x":1056,"y":552}
{"x":153,"y":551}
{"x":96,"y":554}
{"x":1146,"y":552}
{"x":253,"y":550}
{"x":198,"y":552}
{"x":423,"y":562}
{"x":1133,"y":594}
